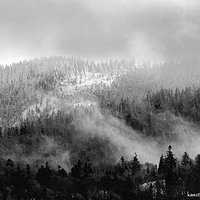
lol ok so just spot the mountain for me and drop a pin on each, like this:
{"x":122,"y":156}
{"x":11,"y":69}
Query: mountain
{"x":62,"y":109}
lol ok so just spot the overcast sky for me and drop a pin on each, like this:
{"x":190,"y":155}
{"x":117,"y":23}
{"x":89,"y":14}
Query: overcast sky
{"x":99,"y":29}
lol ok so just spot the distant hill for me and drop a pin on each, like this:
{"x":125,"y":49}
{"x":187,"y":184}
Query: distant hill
{"x":73,"y":105}
{"x":26,"y":83}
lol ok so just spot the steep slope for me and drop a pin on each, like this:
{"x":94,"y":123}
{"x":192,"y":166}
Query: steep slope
{"x":63,"y":109}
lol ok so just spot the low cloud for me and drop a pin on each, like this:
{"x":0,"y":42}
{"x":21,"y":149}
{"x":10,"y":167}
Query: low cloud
{"x":155,"y":29}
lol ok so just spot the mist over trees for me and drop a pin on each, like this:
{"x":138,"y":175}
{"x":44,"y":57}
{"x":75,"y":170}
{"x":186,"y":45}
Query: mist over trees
{"x":127,"y":179}
{"x":45,"y":154}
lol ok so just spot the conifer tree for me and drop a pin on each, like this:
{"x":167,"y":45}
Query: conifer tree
{"x":170,"y":164}
{"x":161,"y":165}
{"x":135,"y":165}
{"x":186,"y":160}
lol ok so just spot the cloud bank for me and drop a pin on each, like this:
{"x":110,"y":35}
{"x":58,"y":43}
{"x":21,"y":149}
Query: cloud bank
{"x":155,"y":29}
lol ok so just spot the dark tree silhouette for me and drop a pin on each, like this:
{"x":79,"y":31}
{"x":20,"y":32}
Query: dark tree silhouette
{"x":170,"y":164}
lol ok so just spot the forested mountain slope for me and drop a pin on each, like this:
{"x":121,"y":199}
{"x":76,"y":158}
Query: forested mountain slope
{"x":135,"y":103}
{"x":78,"y":118}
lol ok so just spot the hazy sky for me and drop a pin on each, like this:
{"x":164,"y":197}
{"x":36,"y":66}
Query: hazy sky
{"x":99,"y":29}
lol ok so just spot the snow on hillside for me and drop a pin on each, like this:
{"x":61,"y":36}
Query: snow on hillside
{"x":72,"y":92}
{"x":81,"y":82}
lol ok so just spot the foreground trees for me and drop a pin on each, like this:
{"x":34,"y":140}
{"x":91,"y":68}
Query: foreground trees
{"x":124,"y":180}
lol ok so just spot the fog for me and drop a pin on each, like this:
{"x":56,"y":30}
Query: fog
{"x":113,"y":138}
{"x":156,"y":30}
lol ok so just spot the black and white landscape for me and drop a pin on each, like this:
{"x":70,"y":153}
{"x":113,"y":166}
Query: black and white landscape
{"x":99,"y":100}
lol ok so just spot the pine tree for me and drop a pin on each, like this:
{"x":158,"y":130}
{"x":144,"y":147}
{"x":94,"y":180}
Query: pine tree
{"x":161,"y":165}
{"x":170,"y":161}
{"x":135,"y":165}
{"x":170,"y":164}
{"x":77,"y":170}
{"x":186,"y":160}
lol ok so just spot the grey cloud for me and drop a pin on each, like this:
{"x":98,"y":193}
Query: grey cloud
{"x":100,"y":29}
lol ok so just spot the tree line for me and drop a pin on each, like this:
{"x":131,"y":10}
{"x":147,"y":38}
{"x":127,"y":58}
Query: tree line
{"x":141,"y":115}
{"x":127,"y":179}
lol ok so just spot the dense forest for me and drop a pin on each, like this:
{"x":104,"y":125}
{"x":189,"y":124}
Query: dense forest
{"x":127,"y":179}
{"x":62,"y":139}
